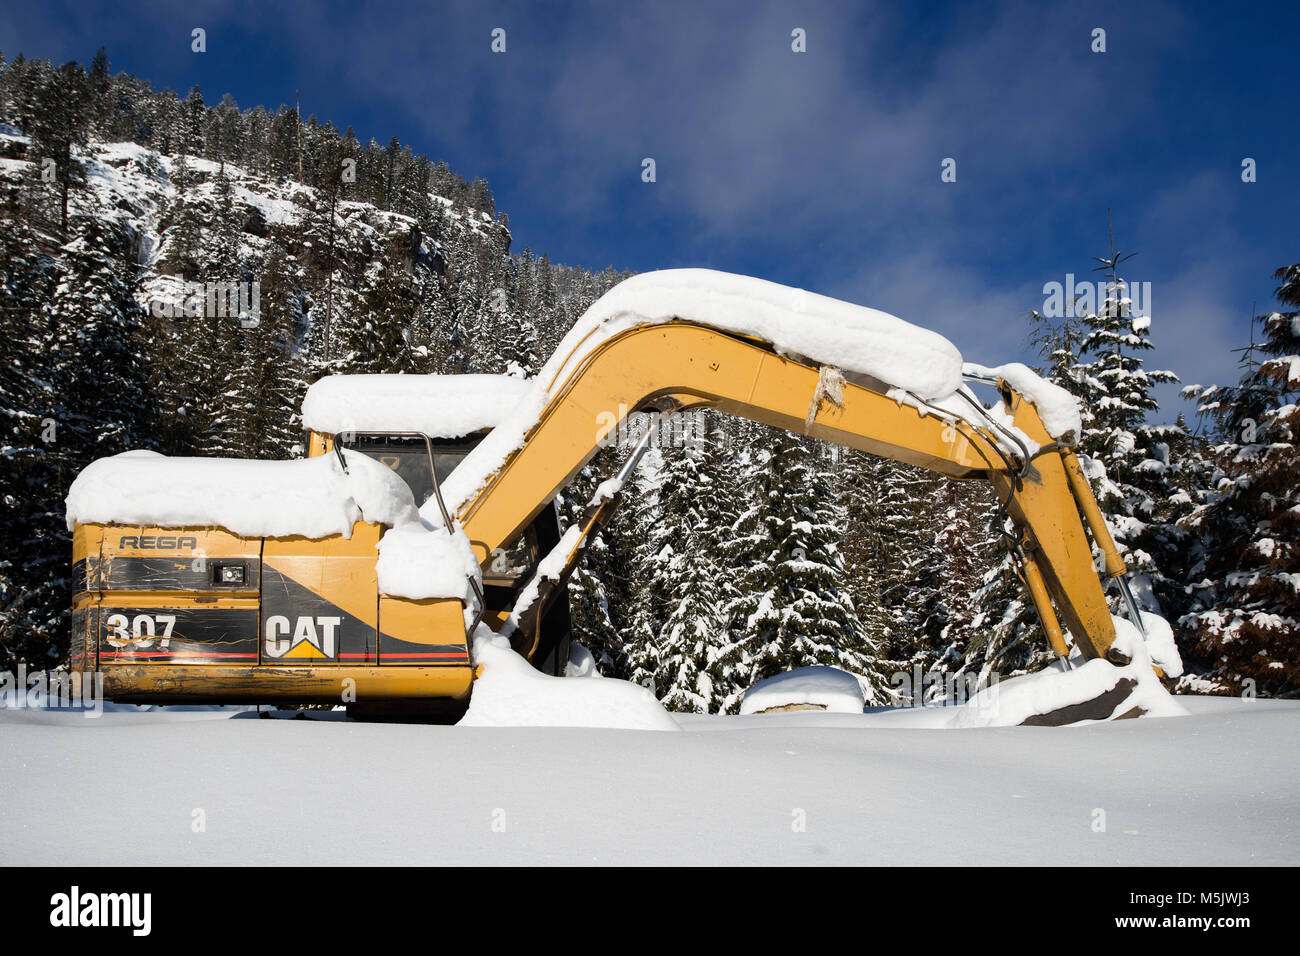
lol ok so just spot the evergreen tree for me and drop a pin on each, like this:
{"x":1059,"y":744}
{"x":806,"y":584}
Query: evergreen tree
{"x":908,"y":520}
{"x":99,"y":369}
{"x":268,"y":382}
{"x":1006,"y":636}
{"x":685,"y":585}
{"x":99,"y":86}
{"x":1247,"y":611}
{"x":602,"y":585}
{"x":869,"y":558}
{"x":33,"y":571}
{"x":185,"y":218}
{"x":59,"y":124}
{"x":377,"y":333}
{"x":961,"y":550}
{"x":792,"y":609}
{"x":1116,"y":398}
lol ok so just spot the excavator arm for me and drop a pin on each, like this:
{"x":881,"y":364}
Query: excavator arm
{"x":681,"y":365}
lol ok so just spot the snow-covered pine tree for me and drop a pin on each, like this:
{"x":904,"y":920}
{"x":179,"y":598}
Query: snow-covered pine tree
{"x":99,"y":87}
{"x":548,"y":317}
{"x":792,"y":609}
{"x":204,"y":251}
{"x":465,"y":297}
{"x":25,"y":274}
{"x":221,"y":327}
{"x":1058,"y":340}
{"x":962,"y":549}
{"x":1246,"y":617}
{"x":644,"y":612}
{"x":33,"y":603}
{"x":520,"y":337}
{"x":222,"y":134}
{"x":268,"y":380}
{"x":98,"y":400}
{"x":862,"y":482}
{"x":99,"y":365}
{"x":193,"y":122}
{"x":283,"y":144}
{"x":911,"y":578}
{"x":680,"y":568}
{"x":183,"y":221}
{"x":58,"y":125}
{"x":376,"y":335}
{"x":335,"y":259}
{"x":1115,"y":392}
{"x":1006,"y":636}
{"x":600,"y":588}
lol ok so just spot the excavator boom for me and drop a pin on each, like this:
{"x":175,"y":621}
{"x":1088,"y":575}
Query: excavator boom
{"x":682,"y":365}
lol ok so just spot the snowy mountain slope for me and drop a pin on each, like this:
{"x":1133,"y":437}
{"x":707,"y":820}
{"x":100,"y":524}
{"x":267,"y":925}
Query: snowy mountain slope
{"x":139,"y":188}
{"x":1214,"y":788}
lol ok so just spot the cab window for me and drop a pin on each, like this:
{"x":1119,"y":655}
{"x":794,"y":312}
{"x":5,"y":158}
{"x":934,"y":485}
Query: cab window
{"x":408,"y":457}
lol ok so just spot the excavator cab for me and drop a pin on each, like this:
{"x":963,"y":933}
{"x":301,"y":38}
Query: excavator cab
{"x":510,"y":566}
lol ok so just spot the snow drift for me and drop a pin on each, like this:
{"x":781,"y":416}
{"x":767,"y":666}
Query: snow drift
{"x":509,"y":692}
{"x":1057,"y":408}
{"x":801,"y":324}
{"x":416,"y":562}
{"x":1134,"y":688}
{"x":824,"y":688}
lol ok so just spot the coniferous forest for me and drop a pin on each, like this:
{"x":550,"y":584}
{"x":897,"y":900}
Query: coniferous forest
{"x":739,"y":553}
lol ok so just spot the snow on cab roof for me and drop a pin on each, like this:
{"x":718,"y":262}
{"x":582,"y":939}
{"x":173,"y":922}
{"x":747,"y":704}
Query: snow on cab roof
{"x":440,"y":406}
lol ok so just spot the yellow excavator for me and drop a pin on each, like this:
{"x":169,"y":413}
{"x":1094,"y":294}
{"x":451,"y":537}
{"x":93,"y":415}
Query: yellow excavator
{"x":181,"y":613}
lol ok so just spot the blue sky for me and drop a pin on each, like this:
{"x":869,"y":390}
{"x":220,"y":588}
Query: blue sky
{"x":819,"y":169}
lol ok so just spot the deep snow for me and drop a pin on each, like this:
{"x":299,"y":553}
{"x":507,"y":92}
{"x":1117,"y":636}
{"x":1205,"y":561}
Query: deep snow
{"x":1218,"y":787}
{"x":817,"y":687}
{"x":312,"y":497}
{"x":440,"y":406}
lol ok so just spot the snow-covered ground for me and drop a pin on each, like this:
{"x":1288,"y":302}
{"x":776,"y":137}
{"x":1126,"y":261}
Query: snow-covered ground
{"x":1221,"y":786}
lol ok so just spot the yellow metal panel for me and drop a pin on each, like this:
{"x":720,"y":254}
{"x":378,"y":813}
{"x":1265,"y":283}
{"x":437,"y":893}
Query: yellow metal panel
{"x":318,"y":444}
{"x":422,"y":632}
{"x":82,"y":650}
{"x":320,"y":598}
